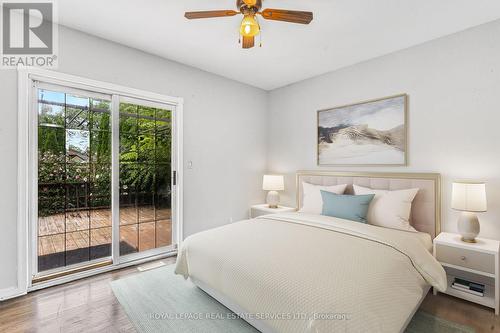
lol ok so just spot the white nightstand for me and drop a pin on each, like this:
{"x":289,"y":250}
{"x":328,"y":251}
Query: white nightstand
{"x":258,"y":210}
{"x":477,"y":262}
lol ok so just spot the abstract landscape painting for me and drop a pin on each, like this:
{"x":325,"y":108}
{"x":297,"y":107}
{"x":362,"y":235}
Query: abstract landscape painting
{"x":369,"y":133}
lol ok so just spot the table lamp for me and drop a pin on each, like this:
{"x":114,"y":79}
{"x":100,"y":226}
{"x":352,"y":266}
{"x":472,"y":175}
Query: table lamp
{"x":469,"y":198}
{"x":273,"y":183}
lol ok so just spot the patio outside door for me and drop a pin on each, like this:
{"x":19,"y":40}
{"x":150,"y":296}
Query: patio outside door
{"x":145,"y":177}
{"x":104,"y":182}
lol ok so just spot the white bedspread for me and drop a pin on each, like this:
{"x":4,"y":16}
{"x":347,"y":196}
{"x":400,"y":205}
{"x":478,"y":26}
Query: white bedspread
{"x":328,"y":274}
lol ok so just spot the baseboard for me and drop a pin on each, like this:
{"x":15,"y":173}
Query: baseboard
{"x":11,"y":292}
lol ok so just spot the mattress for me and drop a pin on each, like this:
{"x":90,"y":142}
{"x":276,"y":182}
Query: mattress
{"x":295,"y":272}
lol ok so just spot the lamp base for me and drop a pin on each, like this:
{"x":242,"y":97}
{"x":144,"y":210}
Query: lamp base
{"x":273,"y":199}
{"x":468,"y":240}
{"x":468,"y":227}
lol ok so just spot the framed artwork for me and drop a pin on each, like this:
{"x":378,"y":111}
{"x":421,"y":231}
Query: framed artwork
{"x":369,"y":133}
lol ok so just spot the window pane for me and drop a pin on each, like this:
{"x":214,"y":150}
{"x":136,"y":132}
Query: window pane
{"x":128,"y":147}
{"x":101,"y":115}
{"x":163,"y":179}
{"x":100,"y":243}
{"x":129,"y":239}
{"x":100,"y":207}
{"x":101,"y":147}
{"x":77,"y":173}
{"x":77,"y":197}
{"x":77,"y":220}
{"x":50,"y":115}
{"x":77,"y":146}
{"x":51,"y":252}
{"x":128,"y":196}
{"x":163,"y":122}
{"x":51,"y":205}
{"x":100,"y":217}
{"x":146,"y":207}
{"x":47,"y":96}
{"x":100,"y":195}
{"x":163,"y":207}
{"x":163,"y":233}
{"x":51,"y":173}
{"x":146,"y":236}
{"x":163,"y":145}
{"x":145,"y":155}
{"x":51,"y":145}
{"x":51,"y":220}
{"x":128,"y":175}
{"x":81,"y":102}
{"x":101,"y":175}
{"x":77,"y":118}
{"x":77,"y":247}
{"x":128,"y":214}
{"x":146,"y":145}
{"x":144,"y":178}
{"x":128,"y":124}
{"x":77,"y":112}
{"x":74,"y":177}
{"x":146,"y":120}
{"x":128,"y":118}
{"x":127,"y":109}
{"x":55,"y":193}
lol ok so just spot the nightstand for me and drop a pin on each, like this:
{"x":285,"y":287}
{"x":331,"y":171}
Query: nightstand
{"x":258,"y":210}
{"x":476,"y":262}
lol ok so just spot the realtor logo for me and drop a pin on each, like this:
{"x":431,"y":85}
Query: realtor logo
{"x":28,"y":34}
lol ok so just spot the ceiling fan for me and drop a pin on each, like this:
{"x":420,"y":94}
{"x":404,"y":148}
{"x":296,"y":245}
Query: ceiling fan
{"x":249,"y":25}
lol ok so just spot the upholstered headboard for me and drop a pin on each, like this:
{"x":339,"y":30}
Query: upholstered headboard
{"x":426,"y":207}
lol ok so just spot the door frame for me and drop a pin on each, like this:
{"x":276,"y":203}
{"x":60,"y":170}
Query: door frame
{"x":26,"y":181}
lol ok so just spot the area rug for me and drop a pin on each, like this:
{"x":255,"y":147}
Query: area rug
{"x":160,"y":301}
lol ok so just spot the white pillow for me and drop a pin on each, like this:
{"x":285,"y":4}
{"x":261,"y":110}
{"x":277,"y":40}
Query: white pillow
{"x":312,"y":202}
{"x":390,"y":209}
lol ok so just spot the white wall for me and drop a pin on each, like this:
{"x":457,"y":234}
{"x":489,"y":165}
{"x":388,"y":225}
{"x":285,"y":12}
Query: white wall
{"x":224,"y":133}
{"x":454,"y":113}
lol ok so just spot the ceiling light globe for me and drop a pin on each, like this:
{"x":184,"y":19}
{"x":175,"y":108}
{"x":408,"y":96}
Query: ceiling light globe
{"x":249,"y":26}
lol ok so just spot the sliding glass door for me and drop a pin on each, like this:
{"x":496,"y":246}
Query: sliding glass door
{"x":74,"y":177}
{"x":82,"y":216}
{"x":145,"y":176}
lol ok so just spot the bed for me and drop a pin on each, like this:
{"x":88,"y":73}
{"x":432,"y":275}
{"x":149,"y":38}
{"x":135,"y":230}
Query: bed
{"x":297,"y":272}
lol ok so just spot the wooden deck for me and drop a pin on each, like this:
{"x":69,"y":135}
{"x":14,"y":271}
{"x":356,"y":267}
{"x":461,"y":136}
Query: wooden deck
{"x":57,"y":233}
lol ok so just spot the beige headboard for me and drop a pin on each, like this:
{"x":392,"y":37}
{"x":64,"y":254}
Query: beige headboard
{"x":426,"y":207}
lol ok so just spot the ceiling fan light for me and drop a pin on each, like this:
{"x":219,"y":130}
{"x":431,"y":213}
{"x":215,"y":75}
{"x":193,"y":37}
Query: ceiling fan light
{"x":249,"y":26}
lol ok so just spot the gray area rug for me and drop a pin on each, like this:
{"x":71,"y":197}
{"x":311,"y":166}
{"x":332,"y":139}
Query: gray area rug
{"x":160,"y":301}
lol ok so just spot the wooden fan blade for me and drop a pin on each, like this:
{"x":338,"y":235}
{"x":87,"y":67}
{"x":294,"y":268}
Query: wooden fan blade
{"x":209,"y":14}
{"x":248,"y":42}
{"x":291,"y":16}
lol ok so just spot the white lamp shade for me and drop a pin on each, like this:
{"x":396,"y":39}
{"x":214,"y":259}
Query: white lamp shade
{"x":273,"y":183}
{"x":469,"y":197}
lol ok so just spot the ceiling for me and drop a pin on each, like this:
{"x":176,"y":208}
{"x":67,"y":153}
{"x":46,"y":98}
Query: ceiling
{"x":344,"y":32}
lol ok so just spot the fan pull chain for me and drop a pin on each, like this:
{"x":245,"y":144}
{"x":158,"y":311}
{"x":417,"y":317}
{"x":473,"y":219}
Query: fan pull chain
{"x":260,"y":39}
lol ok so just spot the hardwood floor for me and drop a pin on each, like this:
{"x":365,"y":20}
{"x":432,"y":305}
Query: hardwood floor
{"x":86,"y":305}
{"x":481,"y":318}
{"x":89,"y":305}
